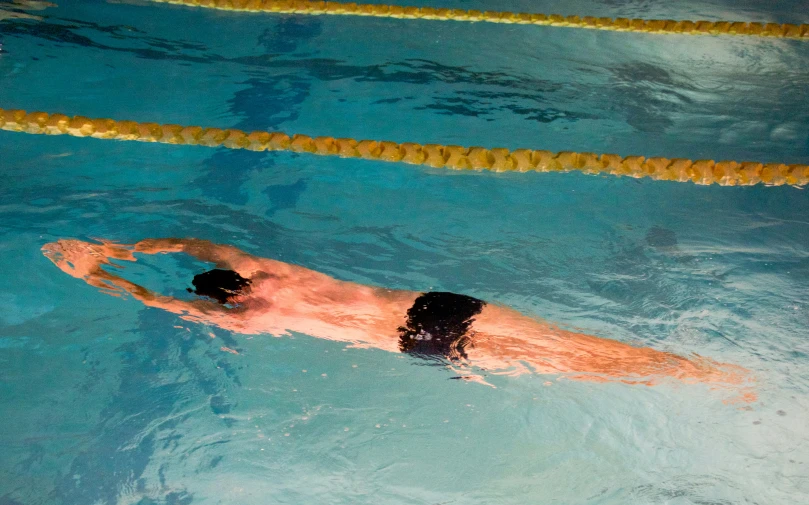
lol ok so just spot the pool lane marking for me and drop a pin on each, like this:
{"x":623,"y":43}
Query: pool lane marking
{"x":658,"y":26}
{"x":724,"y":173}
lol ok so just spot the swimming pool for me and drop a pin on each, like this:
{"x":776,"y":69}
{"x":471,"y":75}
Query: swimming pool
{"x":104,"y":400}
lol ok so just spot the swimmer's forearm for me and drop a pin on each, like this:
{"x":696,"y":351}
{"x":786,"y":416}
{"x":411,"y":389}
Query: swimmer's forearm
{"x":103,"y":279}
{"x":106,"y":280}
{"x":159,"y":245}
{"x":167,"y":245}
{"x":202,"y":249}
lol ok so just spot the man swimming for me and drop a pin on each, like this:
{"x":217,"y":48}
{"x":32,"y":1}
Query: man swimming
{"x":249,"y":294}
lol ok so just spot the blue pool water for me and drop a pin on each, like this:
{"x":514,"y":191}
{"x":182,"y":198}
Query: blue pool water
{"x":104,"y":401}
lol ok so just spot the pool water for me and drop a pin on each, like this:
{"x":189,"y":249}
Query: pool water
{"x":105,"y":401}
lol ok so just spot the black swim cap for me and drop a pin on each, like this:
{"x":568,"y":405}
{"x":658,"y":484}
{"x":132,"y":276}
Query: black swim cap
{"x":219,"y":285}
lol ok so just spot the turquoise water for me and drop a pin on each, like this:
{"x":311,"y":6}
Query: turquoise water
{"x":105,"y":401}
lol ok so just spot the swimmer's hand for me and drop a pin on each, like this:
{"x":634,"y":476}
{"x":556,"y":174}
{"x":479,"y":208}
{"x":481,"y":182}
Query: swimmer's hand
{"x":84,"y":260}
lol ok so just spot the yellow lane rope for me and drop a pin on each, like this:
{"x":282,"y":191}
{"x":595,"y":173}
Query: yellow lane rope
{"x":725,"y":173}
{"x":667,"y":26}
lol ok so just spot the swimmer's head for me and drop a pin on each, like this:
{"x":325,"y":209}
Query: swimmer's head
{"x":219,"y":285}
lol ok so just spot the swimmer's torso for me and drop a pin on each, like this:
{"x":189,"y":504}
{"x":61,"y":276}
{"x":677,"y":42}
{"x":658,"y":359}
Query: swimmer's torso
{"x":283,"y":300}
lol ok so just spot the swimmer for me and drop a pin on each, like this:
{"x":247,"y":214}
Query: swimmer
{"x":252,"y":295}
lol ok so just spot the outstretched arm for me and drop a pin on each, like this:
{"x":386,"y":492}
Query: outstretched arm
{"x":85,"y":260}
{"x":196,"y":309}
{"x":223,"y":256}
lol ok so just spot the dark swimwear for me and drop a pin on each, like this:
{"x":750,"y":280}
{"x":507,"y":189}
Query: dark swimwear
{"x":437,"y":325}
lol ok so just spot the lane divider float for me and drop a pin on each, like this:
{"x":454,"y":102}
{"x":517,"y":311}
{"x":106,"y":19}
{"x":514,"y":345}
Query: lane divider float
{"x":724,"y":173}
{"x":659,"y":26}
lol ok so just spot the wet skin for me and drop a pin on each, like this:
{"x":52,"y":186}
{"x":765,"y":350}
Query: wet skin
{"x":283,"y":298}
